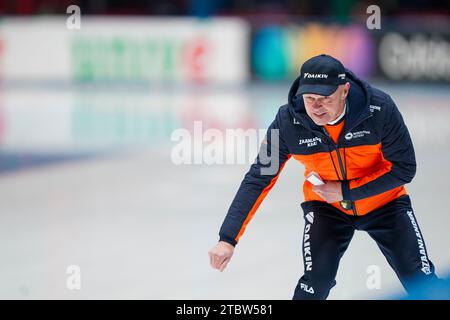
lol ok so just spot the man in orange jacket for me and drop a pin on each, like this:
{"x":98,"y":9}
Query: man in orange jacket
{"x":352,"y":137}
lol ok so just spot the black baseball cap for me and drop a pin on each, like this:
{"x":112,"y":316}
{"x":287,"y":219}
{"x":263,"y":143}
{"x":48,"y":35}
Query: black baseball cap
{"x":321,"y":75}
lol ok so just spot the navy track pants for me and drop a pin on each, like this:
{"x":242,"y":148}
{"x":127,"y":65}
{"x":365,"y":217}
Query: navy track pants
{"x":328,"y":232}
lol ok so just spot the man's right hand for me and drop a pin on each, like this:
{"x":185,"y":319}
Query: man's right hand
{"x":220,"y":255}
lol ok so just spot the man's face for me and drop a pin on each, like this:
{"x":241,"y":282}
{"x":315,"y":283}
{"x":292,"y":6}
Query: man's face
{"x":324,"y":109}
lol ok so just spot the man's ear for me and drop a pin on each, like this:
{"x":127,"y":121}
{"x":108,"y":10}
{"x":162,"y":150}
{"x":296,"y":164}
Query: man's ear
{"x":346,"y":90}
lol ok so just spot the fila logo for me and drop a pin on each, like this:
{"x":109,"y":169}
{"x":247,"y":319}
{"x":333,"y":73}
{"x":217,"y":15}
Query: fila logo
{"x":341,"y":76}
{"x":305,"y":287}
{"x":357,"y":134}
{"x":315,"y":75}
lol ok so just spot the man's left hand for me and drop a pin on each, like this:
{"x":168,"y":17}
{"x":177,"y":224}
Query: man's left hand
{"x":331,"y":191}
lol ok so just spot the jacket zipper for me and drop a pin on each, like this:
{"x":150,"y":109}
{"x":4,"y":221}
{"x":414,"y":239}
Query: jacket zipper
{"x":341,"y":166}
{"x":339,"y":158}
{"x":336,"y":147}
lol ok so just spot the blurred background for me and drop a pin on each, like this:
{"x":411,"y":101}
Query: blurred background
{"x":90,"y":99}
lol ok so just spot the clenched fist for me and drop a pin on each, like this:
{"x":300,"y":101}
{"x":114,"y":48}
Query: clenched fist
{"x":220,"y":255}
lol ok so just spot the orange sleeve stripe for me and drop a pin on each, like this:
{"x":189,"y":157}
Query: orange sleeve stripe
{"x":259,"y":201}
{"x":384,"y":168}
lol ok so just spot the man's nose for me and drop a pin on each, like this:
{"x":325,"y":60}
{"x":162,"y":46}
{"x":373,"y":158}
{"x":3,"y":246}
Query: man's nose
{"x":317,"y":106}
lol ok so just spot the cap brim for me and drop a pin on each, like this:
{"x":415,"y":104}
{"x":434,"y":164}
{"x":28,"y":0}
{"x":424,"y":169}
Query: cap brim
{"x":320,"y":89}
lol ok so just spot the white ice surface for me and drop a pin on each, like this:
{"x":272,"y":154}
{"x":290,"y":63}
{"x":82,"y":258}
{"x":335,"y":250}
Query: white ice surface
{"x":140,"y":227}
